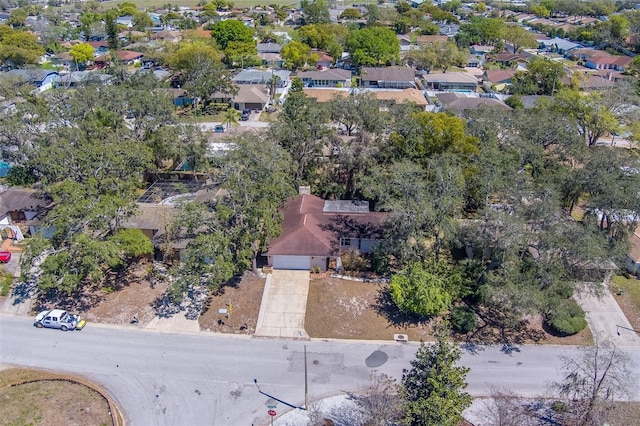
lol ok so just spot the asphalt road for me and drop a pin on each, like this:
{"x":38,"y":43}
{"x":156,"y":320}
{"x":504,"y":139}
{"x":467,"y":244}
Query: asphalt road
{"x":207,"y":379}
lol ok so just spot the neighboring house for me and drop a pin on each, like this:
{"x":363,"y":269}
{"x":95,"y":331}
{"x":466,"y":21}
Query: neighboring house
{"x":498,"y":80}
{"x":251,"y":96}
{"x":405,"y":96}
{"x":607,"y":61}
{"x":324,"y":60}
{"x":127,"y":57}
{"x":79,"y":78}
{"x":270,"y":54}
{"x":458,"y":102}
{"x":451,"y":81}
{"x":154,"y":221}
{"x":40,"y":78}
{"x":254,"y":76}
{"x":507,"y":59}
{"x":63,"y":59}
{"x":323,"y":95}
{"x":449,"y":30}
{"x":127,"y":21}
{"x":475,"y":61}
{"x":99,"y":47}
{"x":315,"y":232}
{"x":333,"y":77}
{"x":425,"y":40}
{"x":169,"y":36}
{"x":558,"y":45}
{"x":387,"y":77}
{"x":478,"y":49}
{"x":17,"y":207}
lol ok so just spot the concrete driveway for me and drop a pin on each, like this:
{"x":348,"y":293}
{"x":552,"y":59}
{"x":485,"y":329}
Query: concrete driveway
{"x":604,"y":315}
{"x":284,"y":305}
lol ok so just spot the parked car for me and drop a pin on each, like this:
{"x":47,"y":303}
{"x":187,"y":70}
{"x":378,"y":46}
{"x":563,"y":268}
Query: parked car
{"x":5,"y":256}
{"x":245,"y":114}
{"x":59,"y":318}
{"x":218,"y":128}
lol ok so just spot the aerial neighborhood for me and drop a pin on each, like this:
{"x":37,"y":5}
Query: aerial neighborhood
{"x":460,"y":173}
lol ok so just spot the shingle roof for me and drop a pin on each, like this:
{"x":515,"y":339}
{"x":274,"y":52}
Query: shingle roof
{"x":251,"y":93}
{"x":388,"y":74}
{"x":499,"y":76}
{"x":309,"y":231}
{"x":329,"y":74}
{"x":17,"y":199}
{"x":325,"y":94}
{"x":457,"y":101}
{"x":410,"y":95}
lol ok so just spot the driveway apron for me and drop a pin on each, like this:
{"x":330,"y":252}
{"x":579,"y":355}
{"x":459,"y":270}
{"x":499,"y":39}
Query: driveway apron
{"x":284,"y":305}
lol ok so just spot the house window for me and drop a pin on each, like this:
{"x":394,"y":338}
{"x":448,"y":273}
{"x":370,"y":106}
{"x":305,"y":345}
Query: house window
{"x":345,"y":241}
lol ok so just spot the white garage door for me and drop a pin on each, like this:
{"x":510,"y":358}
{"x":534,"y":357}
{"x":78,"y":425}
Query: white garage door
{"x":292,"y":262}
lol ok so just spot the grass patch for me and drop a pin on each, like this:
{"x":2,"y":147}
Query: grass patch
{"x":6,"y":280}
{"x":49,"y":399}
{"x":629,"y":287}
{"x":627,"y":293}
{"x":190,"y":118}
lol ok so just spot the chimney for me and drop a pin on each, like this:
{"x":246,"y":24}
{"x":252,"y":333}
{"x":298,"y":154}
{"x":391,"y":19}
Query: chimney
{"x":302,"y":190}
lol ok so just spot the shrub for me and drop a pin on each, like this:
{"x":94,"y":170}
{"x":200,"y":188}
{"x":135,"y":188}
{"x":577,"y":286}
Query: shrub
{"x":5,"y":283}
{"x":567,"y":317}
{"x":354,"y":261}
{"x":21,"y":176}
{"x":420,"y":291}
{"x":463,"y":319}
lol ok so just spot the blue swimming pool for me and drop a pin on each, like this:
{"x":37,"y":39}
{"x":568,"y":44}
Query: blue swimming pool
{"x":4,"y":169}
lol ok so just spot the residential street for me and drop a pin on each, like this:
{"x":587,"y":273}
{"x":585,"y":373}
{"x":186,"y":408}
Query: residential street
{"x":200,"y":378}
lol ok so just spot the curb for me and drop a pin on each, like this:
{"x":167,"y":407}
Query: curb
{"x":263,"y":304}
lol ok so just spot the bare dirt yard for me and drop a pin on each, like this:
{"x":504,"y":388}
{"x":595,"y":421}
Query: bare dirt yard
{"x":346,"y":309}
{"x":245,"y":297}
{"x":118,"y":301}
{"x":32,"y":397}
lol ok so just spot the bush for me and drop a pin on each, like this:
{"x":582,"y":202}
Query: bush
{"x":21,"y":176}
{"x":5,"y":283}
{"x":567,"y":317}
{"x":463,"y":319}
{"x":354,"y":261}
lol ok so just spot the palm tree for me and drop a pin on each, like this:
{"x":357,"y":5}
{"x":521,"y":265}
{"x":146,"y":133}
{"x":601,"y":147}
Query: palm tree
{"x":231,"y":118}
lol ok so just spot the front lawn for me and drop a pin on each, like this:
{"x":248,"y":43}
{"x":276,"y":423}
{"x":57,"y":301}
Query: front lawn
{"x":627,"y":293}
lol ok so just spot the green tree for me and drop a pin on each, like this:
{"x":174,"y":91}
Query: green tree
{"x":295,"y":54}
{"x":256,"y":177}
{"x":423,"y":289}
{"x":442,"y":55}
{"x":111,"y":28}
{"x":300,"y":129}
{"x":593,"y":117}
{"x":231,"y":117}
{"x":541,"y":78}
{"x":373,"y":46}
{"x":360,"y":111}
{"x":433,"y":388}
{"x":480,"y":30}
{"x":18,"y":48}
{"x":540,"y":11}
{"x":81,"y":53}
{"x":142,"y":21}
{"x":17,"y":17}
{"x":322,"y":36}
{"x":351,"y":14}
{"x":315,"y":11}
{"x":619,"y":27}
{"x":230,"y":30}
{"x":518,"y":37}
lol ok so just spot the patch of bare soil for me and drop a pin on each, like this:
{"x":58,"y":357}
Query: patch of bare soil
{"x":245,"y":297}
{"x":345,"y":309}
{"x":31,"y":397}
{"x":629,"y":308}
{"x":118,"y":301}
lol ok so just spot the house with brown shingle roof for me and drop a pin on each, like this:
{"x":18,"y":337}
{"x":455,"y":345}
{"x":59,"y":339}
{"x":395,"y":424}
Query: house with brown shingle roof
{"x":315,"y":231}
{"x":127,"y":57}
{"x":409,"y":95}
{"x":457,"y":102}
{"x":322,"y":95}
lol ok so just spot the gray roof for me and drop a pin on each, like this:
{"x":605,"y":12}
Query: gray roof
{"x":253,"y":76}
{"x":458,"y":102}
{"x":328,"y":74}
{"x":388,"y":74}
{"x":32,"y":75}
{"x":560,"y":43}
{"x":84,"y":76}
{"x":269,"y":48}
{"x":18,"y":199}
{"x":150,"y":216}
{"x":450,"y":77}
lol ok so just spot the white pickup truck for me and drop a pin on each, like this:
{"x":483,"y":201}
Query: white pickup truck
{"x":58,"y":318}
